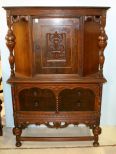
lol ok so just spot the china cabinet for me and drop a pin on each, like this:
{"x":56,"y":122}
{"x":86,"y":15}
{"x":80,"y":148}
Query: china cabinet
{"x":56,"y":60}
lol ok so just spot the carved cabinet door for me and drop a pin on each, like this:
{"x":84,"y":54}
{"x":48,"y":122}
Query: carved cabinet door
{"x":56,"y":45}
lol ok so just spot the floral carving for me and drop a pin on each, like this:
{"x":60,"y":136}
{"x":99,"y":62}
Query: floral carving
{"x":56,"y":45}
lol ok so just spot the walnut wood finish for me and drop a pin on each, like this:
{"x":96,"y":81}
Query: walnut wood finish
{"x":58,"y":53}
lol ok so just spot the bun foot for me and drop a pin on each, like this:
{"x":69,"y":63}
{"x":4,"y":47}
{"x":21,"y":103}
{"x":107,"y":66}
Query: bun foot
{"x":95,"y":144}
{"x":18,"y":144}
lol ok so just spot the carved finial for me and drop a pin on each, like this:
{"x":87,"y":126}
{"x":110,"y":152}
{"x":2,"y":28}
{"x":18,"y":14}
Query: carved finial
{"x":10,"y":42}
{"x":102,"y":44}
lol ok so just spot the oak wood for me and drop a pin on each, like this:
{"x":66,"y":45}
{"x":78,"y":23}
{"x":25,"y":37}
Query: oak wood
{"x":23,"y":54}
{"x":85,"y":138}
{"x":56,"y":60}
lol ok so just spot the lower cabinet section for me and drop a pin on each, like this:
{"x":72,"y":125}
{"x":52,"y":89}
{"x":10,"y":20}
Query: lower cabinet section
{"x":36,"y":99}
{"x":56,"y":106}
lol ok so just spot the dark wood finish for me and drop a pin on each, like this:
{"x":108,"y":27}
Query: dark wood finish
{"x":55,"y":51}
{"x":58,"y":53}
{"x":85,"y":138}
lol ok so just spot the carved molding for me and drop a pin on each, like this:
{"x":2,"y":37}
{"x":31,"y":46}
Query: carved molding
{"x":17,"y":18}
{"x":57,"y":88}
{"x":56,"y":124}
{"x":92,"y":18}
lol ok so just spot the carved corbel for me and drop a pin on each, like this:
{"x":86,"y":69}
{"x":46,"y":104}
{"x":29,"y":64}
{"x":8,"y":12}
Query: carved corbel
{"x":10,"y":42}
{"x":102,"y":42}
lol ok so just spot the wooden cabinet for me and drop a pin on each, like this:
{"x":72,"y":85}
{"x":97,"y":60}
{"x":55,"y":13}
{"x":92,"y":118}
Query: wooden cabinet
{"x":56,"y":59}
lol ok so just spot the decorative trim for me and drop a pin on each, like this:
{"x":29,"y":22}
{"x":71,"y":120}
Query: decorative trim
{"x":92,"y":18}
{"x":56,"y":45}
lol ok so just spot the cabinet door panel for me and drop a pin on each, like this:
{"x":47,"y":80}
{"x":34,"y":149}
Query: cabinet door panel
{"x":56,"y":45}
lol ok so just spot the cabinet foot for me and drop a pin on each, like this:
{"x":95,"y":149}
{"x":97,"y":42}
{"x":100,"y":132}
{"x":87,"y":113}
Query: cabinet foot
{"x":95,"y":144}
{"x":18,"y":144}
{"x":96,"y":132}
{"x":17,"y":131}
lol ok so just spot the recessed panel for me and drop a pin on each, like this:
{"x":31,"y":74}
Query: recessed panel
{"x":77,"y":99}
{"x":56,"y":45}
{"x":35,"y":99}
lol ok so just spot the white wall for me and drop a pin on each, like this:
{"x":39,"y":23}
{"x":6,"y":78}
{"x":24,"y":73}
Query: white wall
{"x":108,"y":116}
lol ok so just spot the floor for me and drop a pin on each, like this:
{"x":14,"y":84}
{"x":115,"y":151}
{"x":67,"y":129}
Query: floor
{"x":101,"y":150}
{"x":107,"y":142}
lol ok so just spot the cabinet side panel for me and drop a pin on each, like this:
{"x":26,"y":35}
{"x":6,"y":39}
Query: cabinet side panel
{"x":22,"y":48}
{"x":91,"y":49}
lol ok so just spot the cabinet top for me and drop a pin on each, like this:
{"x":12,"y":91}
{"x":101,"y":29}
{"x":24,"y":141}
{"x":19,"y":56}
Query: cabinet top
{"x":55,"y":11}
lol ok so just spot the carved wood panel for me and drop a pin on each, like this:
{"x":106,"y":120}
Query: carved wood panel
{"x":56,"y":45}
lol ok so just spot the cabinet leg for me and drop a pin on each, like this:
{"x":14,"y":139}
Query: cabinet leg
{"x":96,"y":132}
{"x":17,"y":131}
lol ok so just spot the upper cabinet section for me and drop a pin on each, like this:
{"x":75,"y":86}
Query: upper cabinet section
{"x":56,"y":40}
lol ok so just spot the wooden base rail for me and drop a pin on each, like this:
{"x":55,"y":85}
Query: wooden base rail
{"x":82,"y":138}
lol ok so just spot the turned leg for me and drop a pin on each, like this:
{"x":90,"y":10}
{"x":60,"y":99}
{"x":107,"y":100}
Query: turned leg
{"x":96,"y":132}
{"x":17,"y":131}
